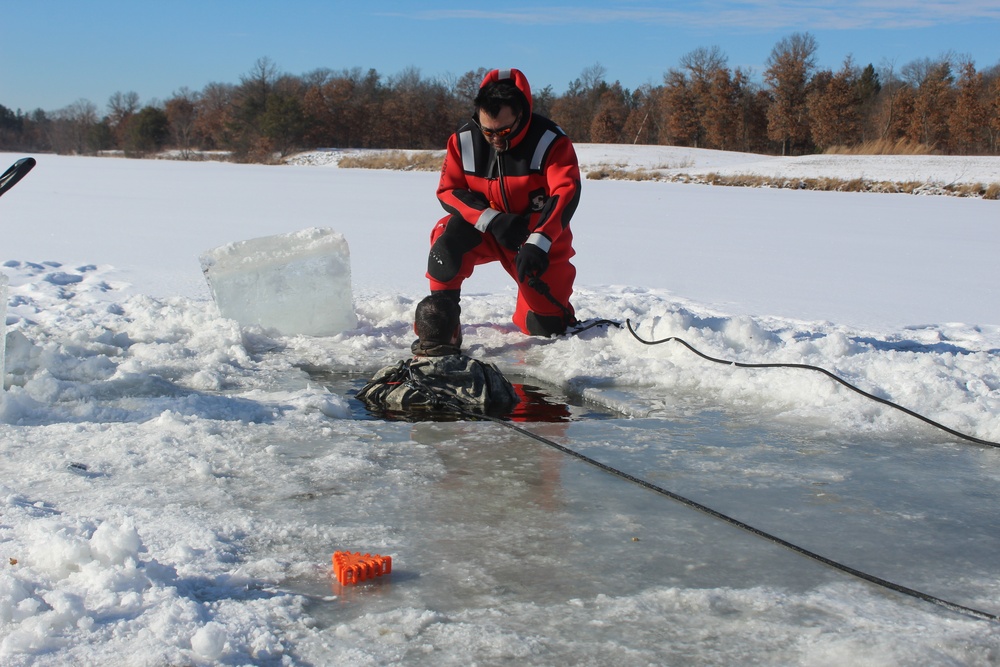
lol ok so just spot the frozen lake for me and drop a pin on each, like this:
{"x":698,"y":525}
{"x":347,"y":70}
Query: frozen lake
{"x":173,"y":486}
{"x":502,"y":533}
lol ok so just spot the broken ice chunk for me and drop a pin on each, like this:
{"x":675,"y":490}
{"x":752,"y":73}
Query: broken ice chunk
{"x":298,"y":283}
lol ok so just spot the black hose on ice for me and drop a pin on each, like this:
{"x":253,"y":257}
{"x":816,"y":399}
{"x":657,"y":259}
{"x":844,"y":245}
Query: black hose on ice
{"x":445,"y":404}
{"x":847,"y":384}
{"x":878,"y":581}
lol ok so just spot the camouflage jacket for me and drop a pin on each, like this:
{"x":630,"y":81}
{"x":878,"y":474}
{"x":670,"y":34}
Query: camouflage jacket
{"x":433,"y":382}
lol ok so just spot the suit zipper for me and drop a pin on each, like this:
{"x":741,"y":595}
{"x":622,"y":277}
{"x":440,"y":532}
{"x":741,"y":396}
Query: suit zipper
{"x":503,"y":189}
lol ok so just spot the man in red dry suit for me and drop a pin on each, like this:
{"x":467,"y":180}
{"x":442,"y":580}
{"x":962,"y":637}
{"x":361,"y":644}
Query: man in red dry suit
{"x":510,"y":184}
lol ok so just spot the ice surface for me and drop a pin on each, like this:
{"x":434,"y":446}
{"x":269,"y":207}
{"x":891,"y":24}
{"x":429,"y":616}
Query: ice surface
{"x":298,"y":283}
{"x":173,"y":487}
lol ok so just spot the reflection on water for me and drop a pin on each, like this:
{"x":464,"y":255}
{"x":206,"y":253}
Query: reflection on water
{"x":539,"y":403}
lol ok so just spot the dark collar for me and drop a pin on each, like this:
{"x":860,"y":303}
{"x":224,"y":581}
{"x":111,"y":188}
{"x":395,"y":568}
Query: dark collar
{"x":431,"y":349}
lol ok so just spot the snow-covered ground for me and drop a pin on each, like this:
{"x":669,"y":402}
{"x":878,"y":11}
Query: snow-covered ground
{"x":930,"y":169}
{"x":173,"y":487}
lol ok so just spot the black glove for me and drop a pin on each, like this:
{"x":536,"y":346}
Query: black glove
{"x":531,"y":262}
{"x":509,"y":229}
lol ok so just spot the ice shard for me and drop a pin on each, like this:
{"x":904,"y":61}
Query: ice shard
{"x":297,"y":283}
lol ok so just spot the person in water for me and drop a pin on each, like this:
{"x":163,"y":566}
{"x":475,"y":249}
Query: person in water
{"x":439,"y":375}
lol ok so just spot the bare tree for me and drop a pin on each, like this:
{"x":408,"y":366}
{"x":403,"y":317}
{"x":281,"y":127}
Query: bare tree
{"x":72,"y":127}
{"x":121,"y":108}
{"x":181,"y":111}
{"x":703,"y":62}
{"x":466,"y":87}
{"x":122,"y":105}
{"x":593,"y":77}
{"x":213,"y":113}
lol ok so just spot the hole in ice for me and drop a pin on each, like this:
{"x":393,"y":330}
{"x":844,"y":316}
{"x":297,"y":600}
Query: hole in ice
{"x":540,"y":402}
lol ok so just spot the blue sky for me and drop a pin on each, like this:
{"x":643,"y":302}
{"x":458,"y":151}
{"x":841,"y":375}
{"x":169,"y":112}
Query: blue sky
{"x":54,"y":52}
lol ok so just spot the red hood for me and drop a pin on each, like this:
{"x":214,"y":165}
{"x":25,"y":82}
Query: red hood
{"x":521,"y":81}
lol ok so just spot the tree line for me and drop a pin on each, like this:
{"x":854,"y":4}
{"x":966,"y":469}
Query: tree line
{"x":942,"y":105}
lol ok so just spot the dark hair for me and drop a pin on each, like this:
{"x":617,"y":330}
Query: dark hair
{"x":436,"y":318}
{"x":498,"y":94}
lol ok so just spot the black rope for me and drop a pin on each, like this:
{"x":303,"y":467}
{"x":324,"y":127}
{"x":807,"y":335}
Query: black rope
{"x":847,"y":384}
{"x":586,"y":325}
{"x":878,"y":581}
{"x":453,"y":404}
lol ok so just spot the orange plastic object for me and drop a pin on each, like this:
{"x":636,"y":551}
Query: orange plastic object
{"x":354,"y":568}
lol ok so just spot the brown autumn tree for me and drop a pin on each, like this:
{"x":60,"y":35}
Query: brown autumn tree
{"x":933,"y":99}
{"x":570,"y":112}
{"x":834,"y":107}
{"x":337,"y":110}
{"x":967,"y":123}
{"x":681,"y":123}
{"x":416,"y":113}
{"x":318,"y":105}
{"x":993,"y":104}
{"x":700,"y":67}
{"x":789,"y":70}
{"x":736,"y":118}
{"x":722,"y":115}
{"x":641,"y":126}
{"x":612,"y":112}
{"x":212,"y":115}
{"x":402,"y":114}
{"x":358,"y":106}
{"x":754,"y":115}
{"x":574,"y":111}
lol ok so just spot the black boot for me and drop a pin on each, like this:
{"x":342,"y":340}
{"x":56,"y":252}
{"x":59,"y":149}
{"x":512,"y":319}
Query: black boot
{"x":544,"y":325}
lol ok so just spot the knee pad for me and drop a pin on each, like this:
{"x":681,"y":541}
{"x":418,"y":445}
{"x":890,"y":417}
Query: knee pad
{"x":445,"y":258}
{"x":544,"y":325}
